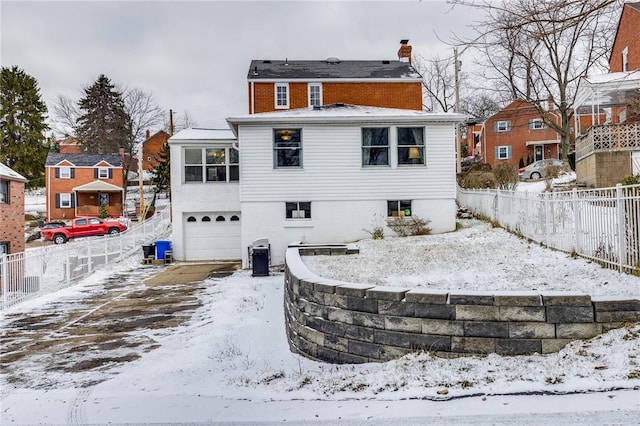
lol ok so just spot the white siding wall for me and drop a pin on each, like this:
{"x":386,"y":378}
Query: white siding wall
{"x":196,"y":197}
{"x":345,"y":196}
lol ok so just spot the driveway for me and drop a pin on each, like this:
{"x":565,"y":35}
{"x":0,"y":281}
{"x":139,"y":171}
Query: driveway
{"x":114,"y":321}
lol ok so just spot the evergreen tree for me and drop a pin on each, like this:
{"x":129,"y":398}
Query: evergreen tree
{"x":161,"y":174}
{"x":104,"y":125}
{"x":22,"y":125}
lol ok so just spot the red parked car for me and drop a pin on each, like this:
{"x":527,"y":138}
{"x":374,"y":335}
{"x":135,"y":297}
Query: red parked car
{"x":82,"y":227}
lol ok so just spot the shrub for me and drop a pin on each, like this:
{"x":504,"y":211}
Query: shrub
{"x":478,"y":180}
{"x":506,"y":175}
{"x":631,"y":180}
{"x":409,"y":225}
{"x":102,"y":212}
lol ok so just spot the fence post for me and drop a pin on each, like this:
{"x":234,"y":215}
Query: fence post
{"x":547,"y":219}
{"x":4,"y":265}
{"x":621,"y":226}
{"x":577,"y":224}
{"x":89,"y":262}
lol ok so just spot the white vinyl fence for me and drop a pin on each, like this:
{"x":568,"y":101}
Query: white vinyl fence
{"x":598,"y":224}
{"x":43,"y":270}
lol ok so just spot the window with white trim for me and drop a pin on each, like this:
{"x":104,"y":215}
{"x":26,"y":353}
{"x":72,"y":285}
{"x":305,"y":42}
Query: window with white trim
{"x":298,"y":210}
{"x":410,"y":145}
{"x":503,"y":152}
{"x":282,"y":95}
{"x":536,"y":124}
{"x":502,"y":126}
{"x":287,"y":148}
{"x":400,"y":208}
{"x":211,"y":165}
{"x":4,"y":192}
{"x":64,"y":172}
{"x":103,"y":173}
{"x":375,"y":146}
{"x":315,"y":94}
{"x":65,"y":201}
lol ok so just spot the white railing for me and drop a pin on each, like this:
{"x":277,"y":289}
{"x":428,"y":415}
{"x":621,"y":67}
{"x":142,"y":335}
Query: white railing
{"x":43,"y":270}
{"x":608,"y":137}
{"x":598,"y":224}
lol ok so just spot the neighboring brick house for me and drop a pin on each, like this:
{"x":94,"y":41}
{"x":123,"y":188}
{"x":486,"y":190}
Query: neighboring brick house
{"x":77,"y":184}
{"x":11,"y":211}
{"x":151,"y":147}
{"x":275,"y":85}
{"x":625,"y":54}
{"x":608,"y":134}
{"x":69,"y":145}
{"x":519,"y":132}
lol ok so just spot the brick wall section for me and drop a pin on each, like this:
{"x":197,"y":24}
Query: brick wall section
{"x":402,"y":95}
{"x":151,"y":149}
{"x":341,"y":322}
{"x":12,"y":218}
{"x":627,"y":36}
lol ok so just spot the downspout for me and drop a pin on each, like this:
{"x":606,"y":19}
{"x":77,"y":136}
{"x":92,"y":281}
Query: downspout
{"x":48,"y":203}
{"x":252,"y":98}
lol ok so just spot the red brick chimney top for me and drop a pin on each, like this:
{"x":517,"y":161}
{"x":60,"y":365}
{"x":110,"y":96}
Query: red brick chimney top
{"x":405,"y":50}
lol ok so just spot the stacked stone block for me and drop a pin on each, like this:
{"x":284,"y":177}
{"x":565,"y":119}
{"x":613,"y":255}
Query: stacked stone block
{"x":341,"y":322}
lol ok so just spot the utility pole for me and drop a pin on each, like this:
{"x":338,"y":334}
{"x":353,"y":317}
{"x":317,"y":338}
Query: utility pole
{"x":457,"y":82}
{"x":141,"y":181}
{"x":170,"y":122}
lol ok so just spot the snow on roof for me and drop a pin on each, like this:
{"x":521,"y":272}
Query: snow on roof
{"x":611,"y":89}
{"x":344,"y":113}
{"x":613,"y":77}
{"x":202,"y":134}
{"x":7,"y":173}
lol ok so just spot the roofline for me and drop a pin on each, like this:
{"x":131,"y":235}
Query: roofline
{"x":337,"y":80}
{"x":234,"y":122}
{"x":615,"y":38}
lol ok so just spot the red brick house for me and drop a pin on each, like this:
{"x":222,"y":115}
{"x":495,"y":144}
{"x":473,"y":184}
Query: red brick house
{"x":608,"y":127}
{"x":625,"y":54}
{"x":275,"y":85}
{"x":151,"y":147}
{"x":77,"y":184}
{"x":518,"y":132}
{"x":11,"y":211}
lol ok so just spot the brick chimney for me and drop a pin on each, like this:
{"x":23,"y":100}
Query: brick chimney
{"x":148,"y":133}
{"x":404,"y":54}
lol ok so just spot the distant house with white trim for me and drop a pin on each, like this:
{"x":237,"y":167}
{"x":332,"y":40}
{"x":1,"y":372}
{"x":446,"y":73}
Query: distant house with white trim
{"x":12,"y":186}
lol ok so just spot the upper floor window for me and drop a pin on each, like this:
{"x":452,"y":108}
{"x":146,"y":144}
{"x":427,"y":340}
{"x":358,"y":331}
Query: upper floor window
{"x":282,"y":95}
{"x":375,"y":146}
{"x":315,"y":94}
{"x":536,"y":124}
{"x":103,"y":173}
{"x":503,"y":152}
{"x":502,"y":126}
{"x":410,"y":145}
{"x":625,"y":59}
{"x":4,"y":191}
{"x":287,"y":148}
{"x":399,"y":208}
{"x":211,"y":165}
{"x":298,"y":210}
{"x":64,"y":172}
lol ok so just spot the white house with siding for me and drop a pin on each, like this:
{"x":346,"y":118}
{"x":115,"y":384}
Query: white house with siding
{"x":318,"y":175}
{"x":205,"y":195}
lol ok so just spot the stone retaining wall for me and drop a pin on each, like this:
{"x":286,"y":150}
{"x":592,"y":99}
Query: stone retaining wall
{"x":342,"y":322}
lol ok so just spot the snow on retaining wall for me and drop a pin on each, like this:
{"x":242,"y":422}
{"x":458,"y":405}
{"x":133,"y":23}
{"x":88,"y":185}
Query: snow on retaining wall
{"x":342,"y":322}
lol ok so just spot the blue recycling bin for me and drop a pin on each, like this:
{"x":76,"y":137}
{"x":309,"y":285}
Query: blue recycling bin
{"x":162,"y":246}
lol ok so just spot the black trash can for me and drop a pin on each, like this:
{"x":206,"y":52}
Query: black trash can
{"x":149,"y":250}
{"x":260,"y":261}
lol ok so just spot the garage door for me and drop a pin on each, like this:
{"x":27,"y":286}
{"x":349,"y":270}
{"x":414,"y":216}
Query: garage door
{"x":212,"y":236}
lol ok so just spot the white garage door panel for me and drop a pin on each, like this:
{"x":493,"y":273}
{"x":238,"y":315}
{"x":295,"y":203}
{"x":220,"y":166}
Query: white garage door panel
{"x":214,"y":239}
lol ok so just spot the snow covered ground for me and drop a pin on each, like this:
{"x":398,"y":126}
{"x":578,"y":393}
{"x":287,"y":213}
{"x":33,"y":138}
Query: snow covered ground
{"x":231,"y":363}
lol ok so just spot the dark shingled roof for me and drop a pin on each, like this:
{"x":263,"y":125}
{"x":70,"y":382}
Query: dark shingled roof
{"x":83,"y":160}
{"x":330,"y":69}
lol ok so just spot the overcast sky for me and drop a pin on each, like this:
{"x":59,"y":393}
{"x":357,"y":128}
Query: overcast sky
{"x":194,"y":55}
